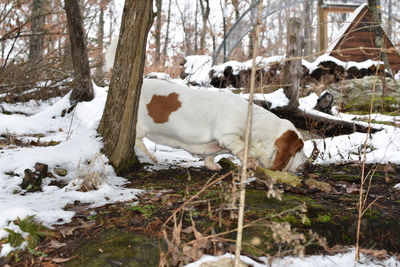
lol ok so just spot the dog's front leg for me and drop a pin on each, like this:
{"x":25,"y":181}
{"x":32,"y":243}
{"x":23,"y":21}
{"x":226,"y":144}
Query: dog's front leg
{"x":211,"y":165}
{"x":235,"y":145}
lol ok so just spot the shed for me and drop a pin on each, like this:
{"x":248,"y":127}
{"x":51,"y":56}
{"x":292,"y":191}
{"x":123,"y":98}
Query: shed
{"x":355,"y":41}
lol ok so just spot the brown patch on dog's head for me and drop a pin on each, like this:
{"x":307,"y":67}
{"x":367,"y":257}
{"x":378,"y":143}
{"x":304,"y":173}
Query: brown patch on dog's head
{"x":160,"y":107}
{"x":287,"y":145}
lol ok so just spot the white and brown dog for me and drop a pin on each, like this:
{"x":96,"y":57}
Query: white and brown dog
{"x":208,"y":123}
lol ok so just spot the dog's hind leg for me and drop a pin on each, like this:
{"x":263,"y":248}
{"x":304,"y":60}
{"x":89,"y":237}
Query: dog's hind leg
{"x":139,"y":144}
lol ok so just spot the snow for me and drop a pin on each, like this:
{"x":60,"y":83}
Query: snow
{"x":237,"y":66}
{"x":397,"y":76}
{"x":76,"y":132}
{"x":158,"y":75}
{"x":382,"y":146}
{"x":276,"y":98}
{"x":311,"y":66}
{"x":79,"y":142}
{"x":197,"y":67}
{"x":31,"y":107}
{"x":337,"y":260}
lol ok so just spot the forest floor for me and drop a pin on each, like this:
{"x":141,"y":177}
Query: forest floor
{"x":131,"y":233}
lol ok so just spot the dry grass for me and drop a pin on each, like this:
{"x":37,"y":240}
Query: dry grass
{"x":88,"y":176}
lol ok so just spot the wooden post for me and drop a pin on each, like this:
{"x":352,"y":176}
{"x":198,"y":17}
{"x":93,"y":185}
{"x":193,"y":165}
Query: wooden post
{"x":293,"y":68}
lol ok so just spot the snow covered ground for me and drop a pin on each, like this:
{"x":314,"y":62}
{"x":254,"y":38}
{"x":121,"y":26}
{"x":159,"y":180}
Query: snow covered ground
{"x":340,"y":259}
{"x":79,"y":142}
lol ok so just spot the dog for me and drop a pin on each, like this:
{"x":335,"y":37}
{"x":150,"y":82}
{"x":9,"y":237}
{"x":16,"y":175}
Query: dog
{"x":208,"y":123}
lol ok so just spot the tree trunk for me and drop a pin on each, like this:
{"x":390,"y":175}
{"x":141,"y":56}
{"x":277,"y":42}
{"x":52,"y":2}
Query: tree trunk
{"x":293,"y":67}
{"x":378,"y":32}
{"x":235,"y":4}
{"x":167,"y":34}
{"x":252,"y":33}
{"x":307,"y":25}
{"x":158,"y":33}
{"x":205,"y":12}
{"x":83,"y":90}
{"x":99,"y":77}
{"x":185,"y":30}
{"x":37,"y":38}
{"x":390,"y":19}
{"x":118,"y":123}
{"x":196,"y":31}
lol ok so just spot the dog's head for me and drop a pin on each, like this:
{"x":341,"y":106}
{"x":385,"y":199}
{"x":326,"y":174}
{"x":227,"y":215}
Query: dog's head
{"x":289,"y":152}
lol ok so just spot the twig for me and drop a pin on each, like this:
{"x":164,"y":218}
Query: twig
{"x":243,"y":177}
{"x":206,"y":186}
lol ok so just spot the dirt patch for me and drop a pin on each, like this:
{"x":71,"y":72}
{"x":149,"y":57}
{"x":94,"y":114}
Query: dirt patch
{"x":112,"y":234}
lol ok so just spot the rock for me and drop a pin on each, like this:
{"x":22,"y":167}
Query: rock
{"x":312,"y":183}
{"x":227,"y":165}
{"x":31,"y":182}
{"x":324,"y":102}
{"x":278,"y":176}
{"x":41,"y":170}
{"x":356,"y":94}
{"x":61,"y":171}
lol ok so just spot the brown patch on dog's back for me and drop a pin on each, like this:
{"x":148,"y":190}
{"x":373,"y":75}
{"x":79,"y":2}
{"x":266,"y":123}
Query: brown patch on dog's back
{"x":286,"y":147}
{"x":160,"y":107}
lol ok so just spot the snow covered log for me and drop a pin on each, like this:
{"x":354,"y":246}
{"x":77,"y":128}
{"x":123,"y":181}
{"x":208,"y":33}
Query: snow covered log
{"x":320,"y":125}
{"x":197,"y":70}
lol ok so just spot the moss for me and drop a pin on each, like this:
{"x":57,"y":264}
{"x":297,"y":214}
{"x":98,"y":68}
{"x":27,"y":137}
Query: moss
{"x":227,"y":165}
{"x":290,"y":218}
{"x":236,"y":91}
{"x":128,"y":165}
{"x":118,"y":248}
{"x":12,"y":174}
{"x":345,"y":177}
{"x":53,"y":143}
{"x":146,"y":210}
{"x":324,"y":218}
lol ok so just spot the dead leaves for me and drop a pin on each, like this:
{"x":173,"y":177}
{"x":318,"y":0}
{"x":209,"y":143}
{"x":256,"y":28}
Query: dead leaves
{"x":69,"y":230}
{"x":56,"y":244}
{"x":379,"y":254}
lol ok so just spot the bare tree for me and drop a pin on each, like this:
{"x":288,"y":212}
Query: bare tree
{"x":83,"y":90}
{"x":167,"y":33}
{"x":292,"y":71}
{"x":99,"y":76}
{"x":185,"y":28}
{"x":235,"y":4}
{"x":307,"y":6}
{"x":205,"y":13}
{"x":390,"y":19}
{"x":196,"y":32}
{"x":118,"y":124}
{"x":36,"y":38}
{"x":378,"y":32}
{"x":157,"y":34}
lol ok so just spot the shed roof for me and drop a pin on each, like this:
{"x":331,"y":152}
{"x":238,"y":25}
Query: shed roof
{"x":355,"y":40}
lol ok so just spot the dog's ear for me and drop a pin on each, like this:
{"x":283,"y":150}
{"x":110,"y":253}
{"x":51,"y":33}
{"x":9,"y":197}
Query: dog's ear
{"x":287,"y":145}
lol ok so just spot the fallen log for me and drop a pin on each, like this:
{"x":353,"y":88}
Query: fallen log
{"x":323,"y":126}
